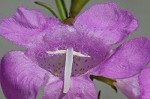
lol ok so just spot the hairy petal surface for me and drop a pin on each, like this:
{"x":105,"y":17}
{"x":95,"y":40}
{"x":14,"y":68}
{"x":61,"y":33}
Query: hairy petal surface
{"x":79,"y":89}
{"x":129,"y":59}
{"x":107,"y":21}
{"x":20,"y":77}
{"x":26,"y":27}
{"x":144,"y":82}
{"x":129,"y":87}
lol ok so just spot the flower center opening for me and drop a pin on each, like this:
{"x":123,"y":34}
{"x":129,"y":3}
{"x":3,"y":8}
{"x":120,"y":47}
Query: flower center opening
{"x":54,"y":62}
{"x":66,"y":64}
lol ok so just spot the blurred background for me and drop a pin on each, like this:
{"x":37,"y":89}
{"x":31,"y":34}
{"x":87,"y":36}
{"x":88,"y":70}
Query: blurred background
{"x":140,"y":8}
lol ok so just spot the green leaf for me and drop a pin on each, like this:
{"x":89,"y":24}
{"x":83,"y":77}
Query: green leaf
{"x":76,"y":7}
{"x":61,"y":9}
{"x":105,"y":80}
{"x":47,"y":7}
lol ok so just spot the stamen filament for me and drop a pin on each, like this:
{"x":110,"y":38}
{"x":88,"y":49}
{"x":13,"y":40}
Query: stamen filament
{"x":68,"y":69}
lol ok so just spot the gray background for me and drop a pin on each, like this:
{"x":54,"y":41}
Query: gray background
{"x":140,"y":8}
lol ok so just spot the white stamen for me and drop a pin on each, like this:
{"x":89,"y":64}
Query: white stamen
{"x":68,"y":69}
{"x":64,"y":52}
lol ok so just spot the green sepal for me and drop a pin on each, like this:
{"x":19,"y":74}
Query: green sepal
{"x":76,"y":7}
{"x":47,"y":7}
{"x":105,"y":80}
{"x":62,"y":9}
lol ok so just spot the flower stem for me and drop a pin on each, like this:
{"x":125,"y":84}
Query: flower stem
{"x":61,"y":9}
{"x":99,"y":94}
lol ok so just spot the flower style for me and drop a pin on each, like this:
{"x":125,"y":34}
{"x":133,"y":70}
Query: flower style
{"x":91,"y":36}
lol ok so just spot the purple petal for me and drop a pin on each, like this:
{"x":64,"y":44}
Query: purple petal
{"x":144,"y":81}
{"x":63,"y":37}
{"x":79,"y":90}
{"x":128,"y":60}
{"x":129,"y":87}
{"x":107,"y":21}
{"x":20,"y":77}
{"x":26,"y":26}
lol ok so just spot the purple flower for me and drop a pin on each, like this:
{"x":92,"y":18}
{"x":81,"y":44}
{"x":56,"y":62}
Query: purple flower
{"x":129,"y":67}
{"x":88,"y":43}
{"x":136,"y":87}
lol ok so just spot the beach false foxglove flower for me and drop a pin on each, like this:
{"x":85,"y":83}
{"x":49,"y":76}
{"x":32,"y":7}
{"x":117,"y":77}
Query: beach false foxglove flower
{"x":88,"y":41}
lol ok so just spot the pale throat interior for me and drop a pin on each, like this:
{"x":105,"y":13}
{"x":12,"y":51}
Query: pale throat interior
{"x":68,"y":65}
